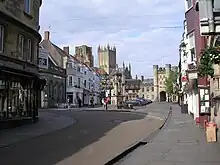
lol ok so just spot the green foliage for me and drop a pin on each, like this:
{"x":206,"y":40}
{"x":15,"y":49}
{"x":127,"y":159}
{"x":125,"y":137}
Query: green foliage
{"x":209,"y":57}
{"x":169,"y":81}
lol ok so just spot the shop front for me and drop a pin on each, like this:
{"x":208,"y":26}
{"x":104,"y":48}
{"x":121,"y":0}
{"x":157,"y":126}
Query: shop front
{"x":19,"y":96}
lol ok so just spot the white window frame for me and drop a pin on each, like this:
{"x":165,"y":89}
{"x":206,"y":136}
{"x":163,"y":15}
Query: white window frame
{"x":29,"y":53}
{"x":20,"y":47}
{"x":2,"y":33}
{"x":27,"y":7}
{"x":192,"y":45}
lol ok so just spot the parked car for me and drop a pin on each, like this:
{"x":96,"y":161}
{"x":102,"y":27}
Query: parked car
{"x":143,"y":101}
{"x":133,"y":102}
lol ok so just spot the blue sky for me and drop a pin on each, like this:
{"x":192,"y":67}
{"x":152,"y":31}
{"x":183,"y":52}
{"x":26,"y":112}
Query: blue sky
{"x":135,"y":27}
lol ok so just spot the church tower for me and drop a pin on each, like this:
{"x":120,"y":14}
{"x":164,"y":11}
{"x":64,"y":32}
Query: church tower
{"x":107,"y":58}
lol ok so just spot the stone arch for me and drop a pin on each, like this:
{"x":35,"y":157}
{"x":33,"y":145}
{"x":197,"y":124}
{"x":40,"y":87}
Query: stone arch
{"x":162,"y":96}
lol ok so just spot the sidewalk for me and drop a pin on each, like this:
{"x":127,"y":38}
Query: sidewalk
{"x":180,"y":142}
{"x":48,"y":122}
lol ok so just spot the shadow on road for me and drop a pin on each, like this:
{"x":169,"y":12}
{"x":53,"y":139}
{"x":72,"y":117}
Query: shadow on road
{"x":51,"y":148}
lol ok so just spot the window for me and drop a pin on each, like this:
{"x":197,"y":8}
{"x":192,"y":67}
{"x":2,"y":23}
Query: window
{"x":147,"y":89}
{"x":85,"y":83}
{"x":189,"y":3}
{"x":27,"y":6}
{"x":1,"y":38}
{"x":78,"y":82}
{"x":191,"y":37}
{"x":142,"y":89}
{"x":70,"y":81}
{"x":29,"y":52}
{"x":152,"y":89}
{"x":20,"y":46}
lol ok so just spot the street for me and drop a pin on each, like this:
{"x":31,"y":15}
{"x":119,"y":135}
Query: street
{"x":95,"y":138}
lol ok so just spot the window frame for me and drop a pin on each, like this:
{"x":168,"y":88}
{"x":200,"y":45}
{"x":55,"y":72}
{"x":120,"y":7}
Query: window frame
{"x":29,"y":50}
{"x":27,"y":7}
{"x":189,"y":5}
{"x":70,"y":82}
{"x":2,"y":31}
{"x":21,"y":54}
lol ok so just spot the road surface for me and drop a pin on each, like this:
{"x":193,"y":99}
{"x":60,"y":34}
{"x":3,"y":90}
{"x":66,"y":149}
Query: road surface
{"x":95,"y":138}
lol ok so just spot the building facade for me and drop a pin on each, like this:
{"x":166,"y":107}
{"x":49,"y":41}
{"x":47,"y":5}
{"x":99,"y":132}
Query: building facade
{"x":146,"y":88}
{"x":195,"y":43}
{"x":83,"y":82}
{"x":54,"y":92}
{"x":107,"y":58}
{"x":160,"y":75}
{"x":84,"y":54}
{"x":19,"y":76}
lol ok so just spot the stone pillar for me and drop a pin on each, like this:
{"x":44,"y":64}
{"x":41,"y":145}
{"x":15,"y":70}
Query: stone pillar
{"x":156,"y":87}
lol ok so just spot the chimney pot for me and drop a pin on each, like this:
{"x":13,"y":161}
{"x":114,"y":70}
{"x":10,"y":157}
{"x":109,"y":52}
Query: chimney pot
{"x":46,"y":35}
{"x":66,"y":49}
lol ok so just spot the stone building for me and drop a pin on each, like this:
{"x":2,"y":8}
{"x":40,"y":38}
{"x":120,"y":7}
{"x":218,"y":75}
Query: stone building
{"x":84,"y":54}
{"x":19,"y":76}
{"x":55,"y":90}
{"x":107,"y":58}
{"x":146,"y":88}
{"x":160,"y":75}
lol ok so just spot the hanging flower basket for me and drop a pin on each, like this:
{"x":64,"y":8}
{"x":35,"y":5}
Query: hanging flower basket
{"x":209,"y":57}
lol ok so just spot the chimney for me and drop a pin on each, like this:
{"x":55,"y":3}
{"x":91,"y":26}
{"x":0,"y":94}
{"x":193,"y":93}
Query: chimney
{"x":66,"y":50}
{"x":46,"y":35}
{"x":142,"y":78}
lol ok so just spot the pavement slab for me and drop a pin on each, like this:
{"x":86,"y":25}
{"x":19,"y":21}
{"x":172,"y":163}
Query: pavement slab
{"x":180,"y":142}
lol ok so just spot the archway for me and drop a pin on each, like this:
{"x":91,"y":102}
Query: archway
{"x":162,"y":96}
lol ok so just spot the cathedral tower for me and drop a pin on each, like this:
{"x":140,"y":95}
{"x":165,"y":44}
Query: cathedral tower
{"x":107,"y":58}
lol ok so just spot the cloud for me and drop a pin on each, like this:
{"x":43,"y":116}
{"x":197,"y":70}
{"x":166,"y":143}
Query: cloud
{"x":139,"y":29}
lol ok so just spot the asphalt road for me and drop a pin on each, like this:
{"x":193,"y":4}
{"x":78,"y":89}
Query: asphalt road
{"x":51,"y":148}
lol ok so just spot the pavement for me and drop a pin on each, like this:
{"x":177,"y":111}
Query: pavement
{"x":180,"y":142}
{"x":48,"y":122}
{"x":95,"y":138}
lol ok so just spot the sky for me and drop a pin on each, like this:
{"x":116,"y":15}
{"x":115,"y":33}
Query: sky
{"x":145,"y":32}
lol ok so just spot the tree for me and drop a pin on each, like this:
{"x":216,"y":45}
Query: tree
{"x":169,"y":81}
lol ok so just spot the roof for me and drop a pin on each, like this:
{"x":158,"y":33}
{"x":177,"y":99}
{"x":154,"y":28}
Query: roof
{"x":148,"y":82}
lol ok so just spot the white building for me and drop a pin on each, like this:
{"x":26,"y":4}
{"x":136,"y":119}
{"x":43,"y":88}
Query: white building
{"x":188,"y":59}
{"x":82,"y":81}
